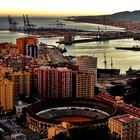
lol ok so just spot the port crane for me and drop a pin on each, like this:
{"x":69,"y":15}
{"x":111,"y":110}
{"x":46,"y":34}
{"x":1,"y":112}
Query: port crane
{"x":27,"y":23}
{"x":58,"y":24}
{"x":12,"y":23}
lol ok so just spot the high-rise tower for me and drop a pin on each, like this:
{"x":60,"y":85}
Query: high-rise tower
{"x":85,"y":85}
{"x":87,"y":64}
{"x":54,"y":82}
{"x":21,"y":83}
{"x":6,"y":94}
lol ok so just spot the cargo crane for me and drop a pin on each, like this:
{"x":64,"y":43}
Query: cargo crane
{"x":58,"y":24}
{"x":12,"y":23}
{"x":27,"y":23}
{"x":24,"y":19}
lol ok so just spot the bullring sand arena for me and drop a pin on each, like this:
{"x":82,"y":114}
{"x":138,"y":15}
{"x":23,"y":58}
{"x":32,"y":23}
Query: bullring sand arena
{"x":75,"y":111}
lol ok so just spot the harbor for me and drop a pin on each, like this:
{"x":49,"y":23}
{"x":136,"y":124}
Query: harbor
{"x":57,"y":29}
{"x":121,"y":59}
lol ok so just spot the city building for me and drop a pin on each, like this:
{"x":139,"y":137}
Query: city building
{"x":20,"y":106}
{"x":33,"y":71}
{"x":47,"y":54}
{"x":7,"y":48}
{"x":23,"y":42}
{"x":5,"y":71}
{"x":32,"y":50}
{"x":31,"y":135}
{"x":126,"y":127}
{"x":68,"y":39}
{"x":55,"y":130}
{"x":18,"y":62}
{"x":21,"y":83}
{"x":54,"y":82}
{"x":85,"y":85}
{"x":87,"y":64}
{"x":18,"y":136}
{"x":6,"y":94}
{"x":64,"y":82}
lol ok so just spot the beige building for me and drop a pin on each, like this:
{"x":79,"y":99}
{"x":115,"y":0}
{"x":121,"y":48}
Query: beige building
{"x":127,"y":127}
{"x":85,"y":85}
{"x":55,"y":130}
{"x":6,"y":94}
{"x":5,"y":71}
{"x":87,"y":64}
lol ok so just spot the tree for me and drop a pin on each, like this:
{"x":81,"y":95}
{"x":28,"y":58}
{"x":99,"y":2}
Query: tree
{"x":90,"y":131}
{"x":117,"y":90}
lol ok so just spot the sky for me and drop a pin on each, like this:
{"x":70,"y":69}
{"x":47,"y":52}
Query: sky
{"x":66,"y":7}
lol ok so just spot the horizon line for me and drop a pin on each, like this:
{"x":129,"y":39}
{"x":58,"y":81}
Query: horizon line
{"x":62,"y":15}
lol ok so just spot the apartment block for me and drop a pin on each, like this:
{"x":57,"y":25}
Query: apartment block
{"x":87,"y":64}
{"x":54,"y":82}
{"x":6,"y":94}
{"x":85,"y":85}
{"x":21,"y":83}
{"x":126,"y":127}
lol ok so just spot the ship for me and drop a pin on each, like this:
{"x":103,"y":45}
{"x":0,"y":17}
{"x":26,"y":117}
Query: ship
{"x":133,"y":48}
{"x":131,"y":71}
{"x":107,"y":72}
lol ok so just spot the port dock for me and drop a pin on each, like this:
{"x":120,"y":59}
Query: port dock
{"x":69,"y":40}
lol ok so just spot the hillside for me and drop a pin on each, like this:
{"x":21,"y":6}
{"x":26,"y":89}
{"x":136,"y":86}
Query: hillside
{"x":133,"y":16}
{"x":126,"y":19}
{"x":128,"y":16}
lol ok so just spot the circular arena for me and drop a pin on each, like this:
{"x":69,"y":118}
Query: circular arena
{"x":43,"y":114}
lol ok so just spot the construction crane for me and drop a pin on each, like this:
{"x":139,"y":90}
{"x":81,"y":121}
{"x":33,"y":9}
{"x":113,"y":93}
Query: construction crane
{"x":58,"y":24}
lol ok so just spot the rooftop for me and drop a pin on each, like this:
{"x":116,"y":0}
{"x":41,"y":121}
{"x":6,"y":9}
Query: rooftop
{"x":127,"y":118}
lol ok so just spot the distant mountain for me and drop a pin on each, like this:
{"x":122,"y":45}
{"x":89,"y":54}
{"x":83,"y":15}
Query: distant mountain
{"x":127,"y":15}
{"x":133,"y":16}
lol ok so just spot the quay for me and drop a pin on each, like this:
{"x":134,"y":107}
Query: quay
{"x":69,"y":38}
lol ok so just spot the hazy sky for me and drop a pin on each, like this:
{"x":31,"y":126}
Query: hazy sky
{"x":66,"y":7}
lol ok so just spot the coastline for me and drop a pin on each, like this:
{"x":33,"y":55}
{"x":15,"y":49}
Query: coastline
{"x":89,"y":20}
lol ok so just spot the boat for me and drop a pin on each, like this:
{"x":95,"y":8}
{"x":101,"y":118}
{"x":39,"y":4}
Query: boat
{"x":133,"y":48}
{"x":107,"y":72}
{"x":131,"y":71}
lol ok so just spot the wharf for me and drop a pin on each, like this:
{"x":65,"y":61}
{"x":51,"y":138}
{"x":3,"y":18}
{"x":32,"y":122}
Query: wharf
{"x":92,"y":40}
